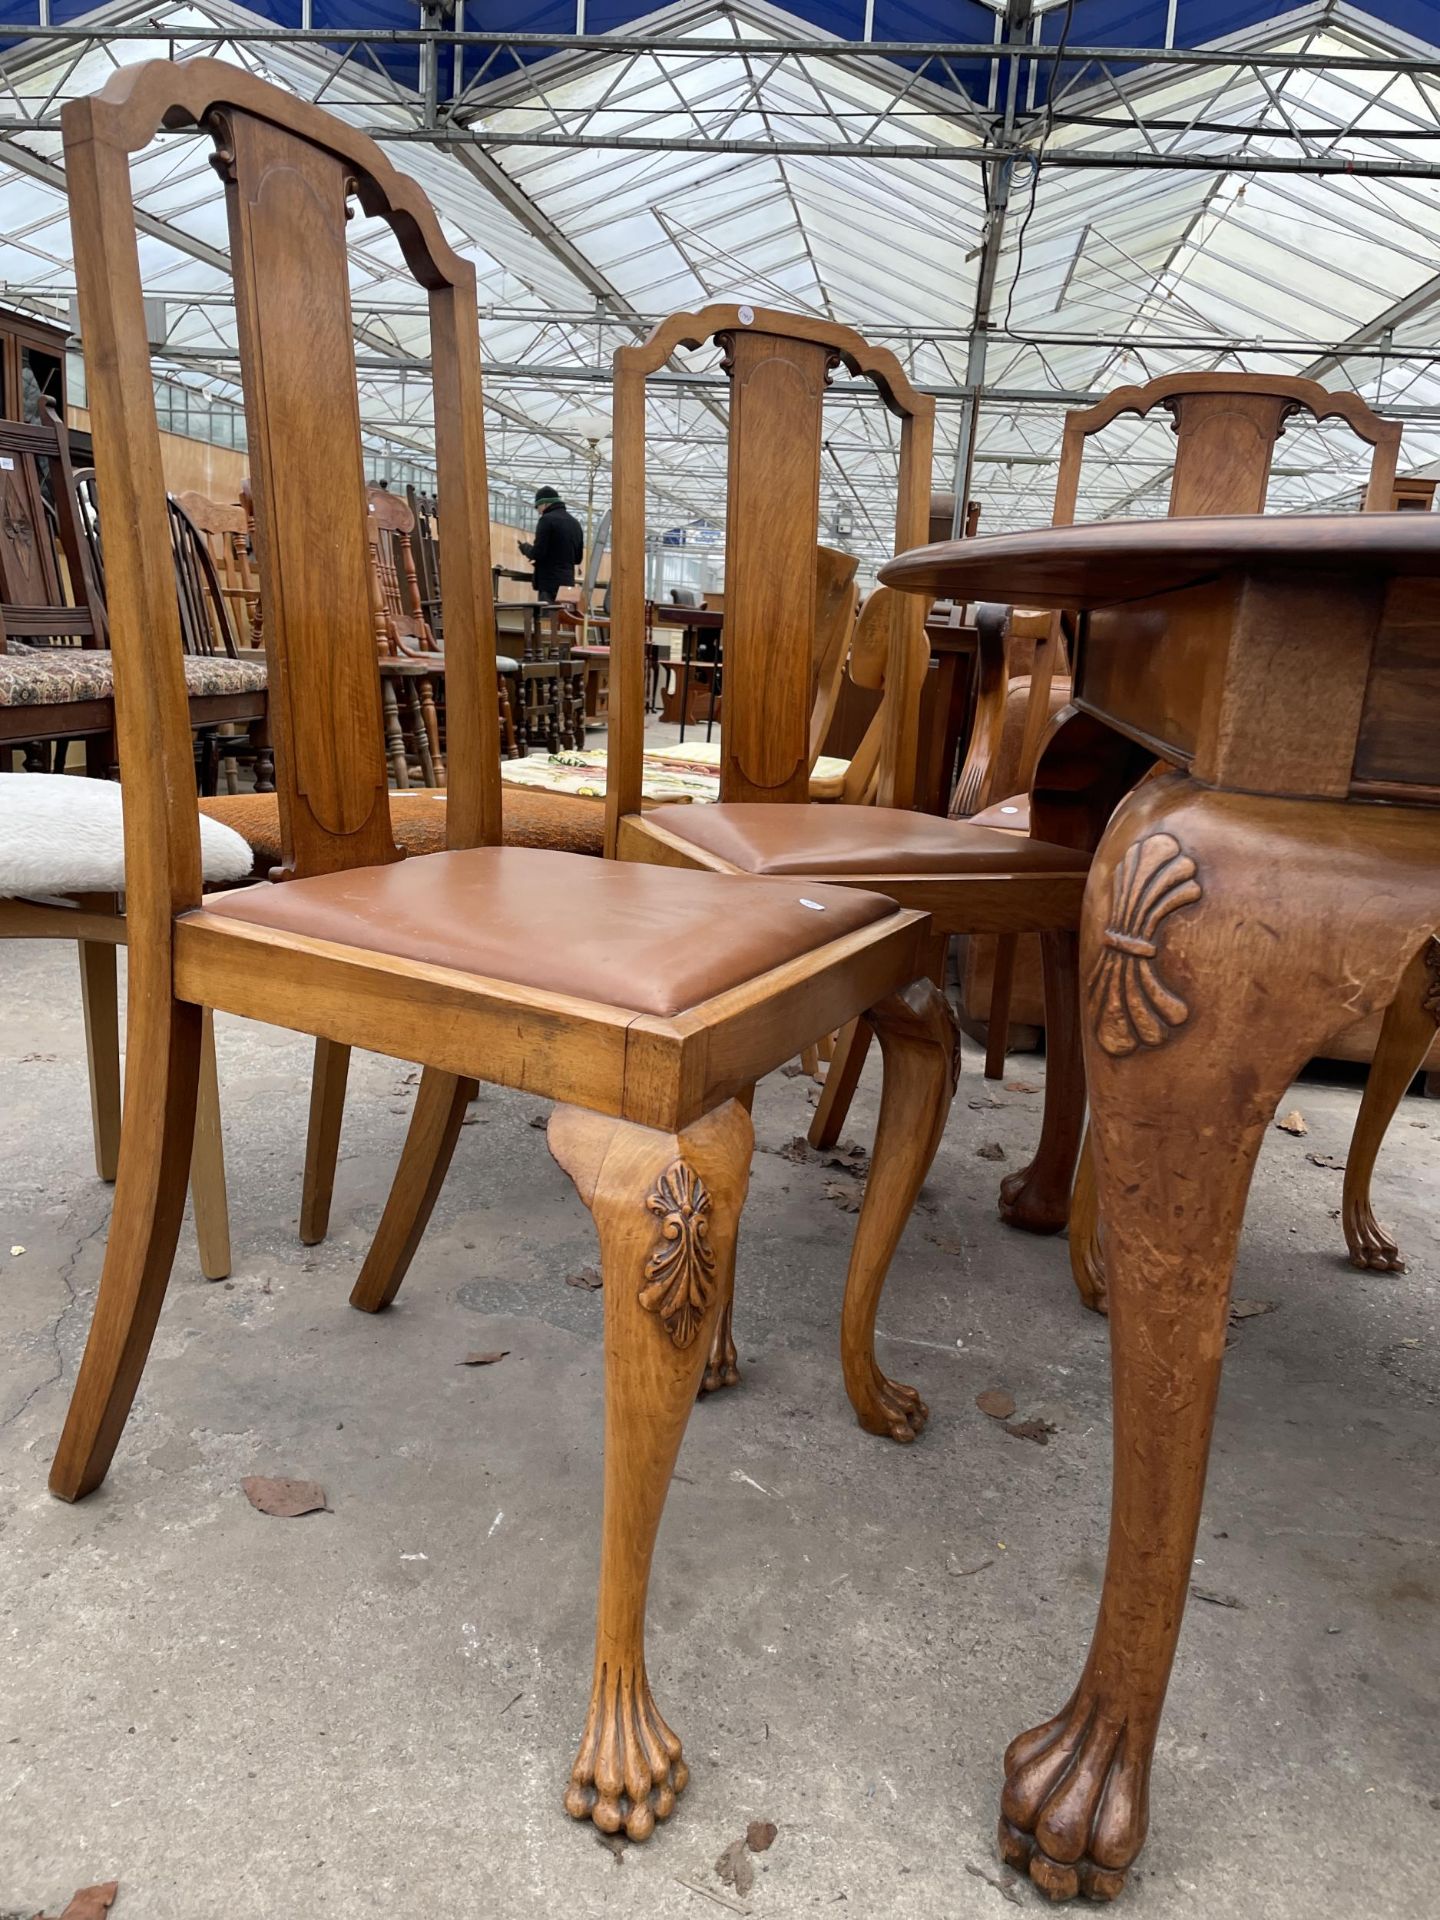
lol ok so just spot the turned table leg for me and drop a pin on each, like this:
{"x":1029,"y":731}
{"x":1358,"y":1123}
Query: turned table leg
{"x":1221,"y":934}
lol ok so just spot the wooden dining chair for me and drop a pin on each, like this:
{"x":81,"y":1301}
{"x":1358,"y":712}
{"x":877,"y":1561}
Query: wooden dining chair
{"x":224,"y":526}
{"x":970,"y":879}
{"x":643,"y":1002}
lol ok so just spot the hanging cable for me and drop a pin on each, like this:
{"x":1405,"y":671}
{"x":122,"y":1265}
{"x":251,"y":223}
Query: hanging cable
{"x":1035,"y":157}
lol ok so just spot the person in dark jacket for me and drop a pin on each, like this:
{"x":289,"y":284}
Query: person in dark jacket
{"x":558,"y":546}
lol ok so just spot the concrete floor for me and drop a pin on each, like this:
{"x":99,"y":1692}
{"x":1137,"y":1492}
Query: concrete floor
{"x":372,"y":1712}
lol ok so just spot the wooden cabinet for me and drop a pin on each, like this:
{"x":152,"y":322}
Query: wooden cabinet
{"x":32,"y":363}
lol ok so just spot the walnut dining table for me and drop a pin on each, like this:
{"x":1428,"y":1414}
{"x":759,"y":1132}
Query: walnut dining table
{"x":1275,"y":880}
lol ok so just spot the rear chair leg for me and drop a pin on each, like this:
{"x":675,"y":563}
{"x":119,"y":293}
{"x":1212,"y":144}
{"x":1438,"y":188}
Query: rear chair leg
{"x":328,"y":1078}
{"x":920,"y":1041}
{"x":667,"y":1208}
{"x":207,"y":1164}
{"x":424,"y":1161}
{"x":159,"y":1137}
{"x":99,"y":999}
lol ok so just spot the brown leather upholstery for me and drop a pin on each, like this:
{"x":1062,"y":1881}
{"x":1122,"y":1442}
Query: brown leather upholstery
{"x":1012,"y":814}
{"x":811,"y":839}
{"x":648,"y":939}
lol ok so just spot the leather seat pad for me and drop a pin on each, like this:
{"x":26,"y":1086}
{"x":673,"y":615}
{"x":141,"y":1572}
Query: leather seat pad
{"x":649,"y":939}
{"x":806,"y":839}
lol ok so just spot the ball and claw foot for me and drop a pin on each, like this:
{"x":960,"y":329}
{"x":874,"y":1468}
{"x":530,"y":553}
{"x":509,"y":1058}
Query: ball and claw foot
{"x":1022,"y":1205}
{"x":629,"y":1772}
{"x":722,"y":1369}
{"x":1075,"y":1806}
{"x":891,"y":1409}
{"x":1371,"y":1247}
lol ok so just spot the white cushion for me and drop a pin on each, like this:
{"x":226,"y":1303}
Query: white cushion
{"x":63,"y":834}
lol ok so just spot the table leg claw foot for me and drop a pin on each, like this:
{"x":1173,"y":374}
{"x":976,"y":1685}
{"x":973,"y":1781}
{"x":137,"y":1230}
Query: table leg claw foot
{"x":891,"y":1409}
{"x":1074,"y":1810}
{"x":1372,"y":1249}
{"x":722,"y":1367}
{"x":629,"y":1771}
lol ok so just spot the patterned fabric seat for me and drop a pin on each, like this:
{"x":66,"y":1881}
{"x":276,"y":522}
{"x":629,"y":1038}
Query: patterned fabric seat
{"x":49,"y":676}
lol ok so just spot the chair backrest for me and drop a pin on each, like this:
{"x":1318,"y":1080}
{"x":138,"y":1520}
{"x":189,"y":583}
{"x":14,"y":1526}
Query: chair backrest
{"x":779,"y":366}
{"x":401,"y":626}
{"x":224,"y":525}
{"x":49,"y":589}
{"x":289,"y":171}
{"x":868,"y":665}
{"x":1226,"y":429}
{"x":425,"y":553}
{"x":205,"y":619}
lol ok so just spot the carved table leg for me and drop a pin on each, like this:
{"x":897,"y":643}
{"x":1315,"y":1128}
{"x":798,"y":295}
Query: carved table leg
{"x":1222,"y":933}
{"x":1406,"y":1036}
{"x":920,"y":1045}
{"x":666,"y":1207}
{"x":1087,"y":1262}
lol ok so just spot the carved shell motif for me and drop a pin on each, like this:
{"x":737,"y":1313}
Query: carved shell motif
{"x":680,"y":1273}
{"x":1129,"y":1002}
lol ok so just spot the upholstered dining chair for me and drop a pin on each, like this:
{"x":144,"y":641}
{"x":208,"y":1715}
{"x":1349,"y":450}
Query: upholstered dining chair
{"x":970,"y":879}
{"x":643,"y":1002}
{"x":62,"y":877}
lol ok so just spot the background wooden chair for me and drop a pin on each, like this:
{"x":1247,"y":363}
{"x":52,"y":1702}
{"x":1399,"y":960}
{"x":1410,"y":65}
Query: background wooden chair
{"x":969,"y":879}
{"x":224,"y":526}
{"x":645,"y":1002}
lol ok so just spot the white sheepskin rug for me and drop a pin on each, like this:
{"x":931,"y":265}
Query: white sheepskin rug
{"x":63,"y":834}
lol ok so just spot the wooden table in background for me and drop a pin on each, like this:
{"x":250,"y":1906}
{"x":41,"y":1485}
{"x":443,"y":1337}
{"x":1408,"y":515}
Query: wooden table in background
{"x":1286,"y":873}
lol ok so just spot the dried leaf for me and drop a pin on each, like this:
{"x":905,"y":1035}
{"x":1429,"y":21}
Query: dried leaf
{"x":979,"y":1106}
{"x":848,"y":1199}
{"x":284,"y":1498}
{"x":953,"y":1566}
{"x":760,"y":1835}
{"x":792,"y":1070}
{"x":483,"y":1359}
{"x":90,"y":1903}
{"x":996,"y":1402}
{"x":1037,"y":1430}
{"x":1216,"y":1599}
{"x":1326,"y":1160}
{"x":1250,"y":1309}
{"x":1293,"y":1122}
{"x":734,"y":1869}
{"x":590,"y":1278}
{"x":1021,"y":1086}
{"x":992,"y":1150}
{"x":539,"y":1121}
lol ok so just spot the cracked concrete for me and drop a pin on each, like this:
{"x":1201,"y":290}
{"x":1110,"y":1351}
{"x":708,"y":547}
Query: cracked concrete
{"x":371,"y":1712}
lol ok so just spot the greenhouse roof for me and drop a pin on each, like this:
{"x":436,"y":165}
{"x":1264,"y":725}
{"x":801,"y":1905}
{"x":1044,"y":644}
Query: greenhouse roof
{"x":996,"y":193}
